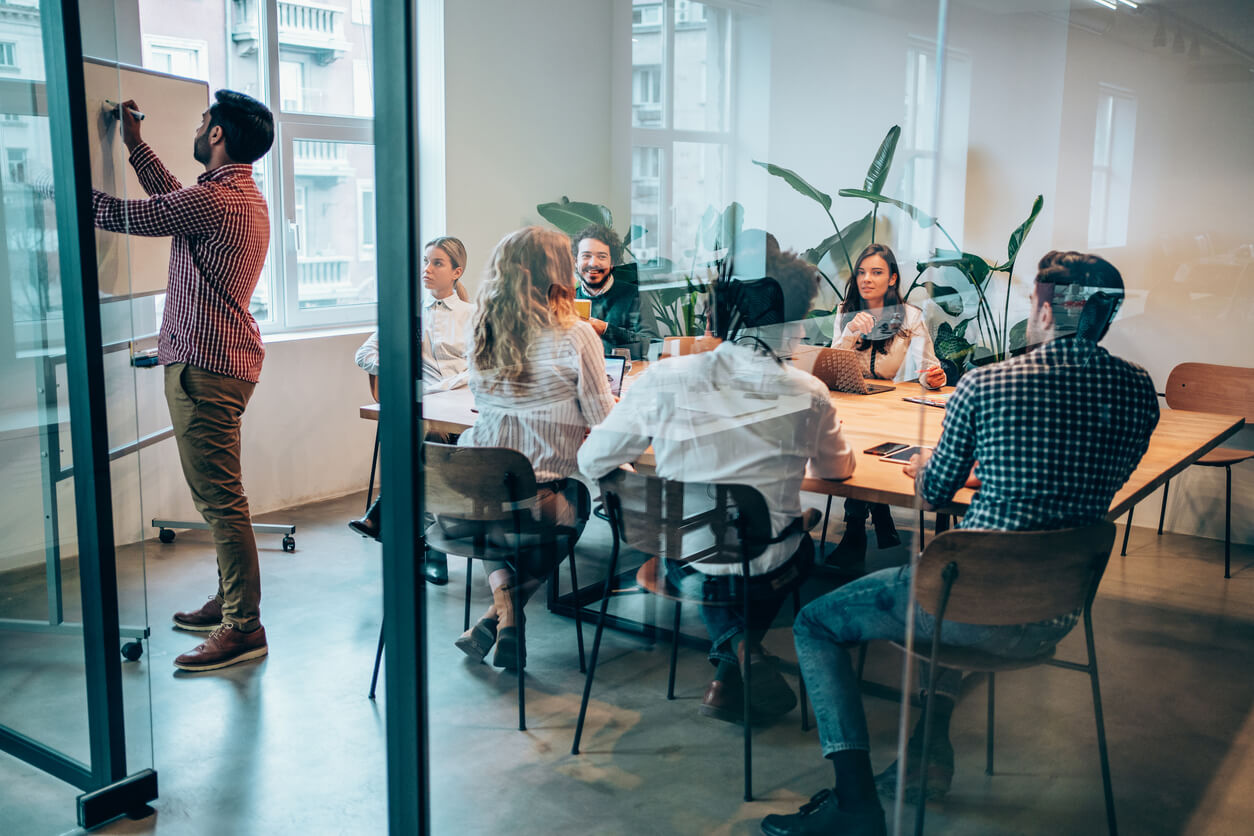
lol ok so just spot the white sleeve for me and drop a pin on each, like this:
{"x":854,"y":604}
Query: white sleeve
{"x":368,"y":355}
{"x":834,"y":458}
{"x":620,"y":438}
{"x":595,"y":398}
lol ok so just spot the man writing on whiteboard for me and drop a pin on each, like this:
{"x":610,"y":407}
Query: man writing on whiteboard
{"x":209,"y":342}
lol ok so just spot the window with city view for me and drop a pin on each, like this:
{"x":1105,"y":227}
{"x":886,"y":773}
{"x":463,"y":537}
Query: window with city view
{"x":680,"y":121}
{"x":311,"y":63}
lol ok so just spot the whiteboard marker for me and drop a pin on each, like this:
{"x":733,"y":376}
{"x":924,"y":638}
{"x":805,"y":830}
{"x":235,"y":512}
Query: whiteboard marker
{"x":114,"y":109}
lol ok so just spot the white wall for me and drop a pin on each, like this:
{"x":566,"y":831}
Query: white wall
{"x":528,"y":115}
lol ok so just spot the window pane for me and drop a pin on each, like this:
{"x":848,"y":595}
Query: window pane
{"x":698,"y":184}
{"x":325,"y":41}
{"x":646,"y":64}
{"x":335,"y":248}
{"x":646,"y":182}
{"x":701,"y":64}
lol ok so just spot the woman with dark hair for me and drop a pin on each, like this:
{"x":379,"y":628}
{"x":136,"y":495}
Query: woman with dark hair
{"x":891,"y":339}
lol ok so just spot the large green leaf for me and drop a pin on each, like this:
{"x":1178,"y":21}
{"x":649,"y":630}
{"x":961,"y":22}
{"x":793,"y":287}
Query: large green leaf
{"x":572,"y":217}
{"x":1018,"y":337}
{"x":731,"y":222}
{"x":951,"y":344}
{"x":1016,"y":237}
{"x":851,"y":235}
{"x":707,"y":230}
{"x":878,"y":172}
{"x":920,"y":217}
{"x":947,"y":298}
{"x":970,"y":265}
{"x":797,"y":182}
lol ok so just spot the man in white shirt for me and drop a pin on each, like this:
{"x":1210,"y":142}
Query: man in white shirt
{"x":672,"y":407}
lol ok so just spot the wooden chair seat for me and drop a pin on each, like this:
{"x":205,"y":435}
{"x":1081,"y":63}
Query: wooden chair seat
{"x":1224,"y":457}
{"x":977,"y":661}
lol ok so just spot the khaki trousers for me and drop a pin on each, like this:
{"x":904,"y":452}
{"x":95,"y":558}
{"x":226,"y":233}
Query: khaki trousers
{"x":206,"y":409}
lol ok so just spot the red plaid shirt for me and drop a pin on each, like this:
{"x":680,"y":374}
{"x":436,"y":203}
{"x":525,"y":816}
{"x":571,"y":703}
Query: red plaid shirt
{"x":221,"y":231}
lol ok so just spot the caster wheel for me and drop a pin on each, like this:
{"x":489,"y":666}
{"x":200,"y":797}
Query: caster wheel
{"x":289,"y":543}
{"x":131,"y":651}
{"x":166,"y":535}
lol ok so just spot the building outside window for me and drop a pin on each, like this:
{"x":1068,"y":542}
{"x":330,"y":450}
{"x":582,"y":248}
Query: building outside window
{"x":310,"y":61}
{"x":8,"y":54}
{"x":681,"y":84}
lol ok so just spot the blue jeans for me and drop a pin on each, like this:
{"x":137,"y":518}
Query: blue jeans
{"x":875,"y":607}
{"x":724,"y":616}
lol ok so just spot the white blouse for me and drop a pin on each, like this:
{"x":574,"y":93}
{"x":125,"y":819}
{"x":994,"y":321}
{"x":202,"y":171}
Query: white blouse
{"x":546,"y":414}
{"x":909,"y":355}
{"x":446,"y":325}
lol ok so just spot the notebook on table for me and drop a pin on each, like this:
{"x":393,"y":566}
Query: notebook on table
{"x":615,"y":368}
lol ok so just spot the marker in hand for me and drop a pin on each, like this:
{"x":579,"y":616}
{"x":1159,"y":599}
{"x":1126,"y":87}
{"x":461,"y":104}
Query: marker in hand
{"x":114,"y":109}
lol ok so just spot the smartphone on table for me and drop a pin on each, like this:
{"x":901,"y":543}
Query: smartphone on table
{"x":885,"y":449}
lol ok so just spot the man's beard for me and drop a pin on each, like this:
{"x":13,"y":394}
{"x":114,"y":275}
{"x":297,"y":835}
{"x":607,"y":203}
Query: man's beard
{"x":200,"y":149}
{"x":595,"y":280}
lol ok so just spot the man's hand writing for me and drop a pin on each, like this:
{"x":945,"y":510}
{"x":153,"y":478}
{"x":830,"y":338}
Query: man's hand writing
{"x":130,"y":125}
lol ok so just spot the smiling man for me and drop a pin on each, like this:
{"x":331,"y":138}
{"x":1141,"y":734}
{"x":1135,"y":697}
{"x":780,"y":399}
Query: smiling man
{"x":209,"y":343}
{"x":614,"y":291}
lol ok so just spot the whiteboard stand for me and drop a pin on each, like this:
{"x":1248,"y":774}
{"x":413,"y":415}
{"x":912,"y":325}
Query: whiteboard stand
{"x":165,"y":530}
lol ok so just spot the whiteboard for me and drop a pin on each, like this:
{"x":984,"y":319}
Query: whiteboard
{"x":134,"y":265}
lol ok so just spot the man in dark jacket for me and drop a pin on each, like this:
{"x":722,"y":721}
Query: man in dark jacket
{"x":613,"y":290}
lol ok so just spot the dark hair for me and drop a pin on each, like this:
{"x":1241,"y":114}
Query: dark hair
{"x":1086,"y":292}
{"x":892,"y":300}
{"x":783,"y":294}
{"x":598,"y":232}
{"x":247,"y":125}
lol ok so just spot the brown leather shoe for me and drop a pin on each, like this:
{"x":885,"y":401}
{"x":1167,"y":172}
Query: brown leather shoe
{"x":225,"y":646}
{"x":204,"y":620}
{"x":724,"y":701}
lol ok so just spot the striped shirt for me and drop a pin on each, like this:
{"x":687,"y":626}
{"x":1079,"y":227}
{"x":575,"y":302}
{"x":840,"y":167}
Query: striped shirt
{"x":221,"y":231}
{"x":546,"y":414}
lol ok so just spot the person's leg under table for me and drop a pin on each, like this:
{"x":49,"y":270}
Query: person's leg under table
{"x":206,"y":410}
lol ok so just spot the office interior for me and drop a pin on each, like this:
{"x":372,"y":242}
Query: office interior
{"x":1132,"y":121}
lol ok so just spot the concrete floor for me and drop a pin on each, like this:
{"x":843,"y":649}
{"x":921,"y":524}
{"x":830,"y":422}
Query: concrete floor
{"x":291,"y":745}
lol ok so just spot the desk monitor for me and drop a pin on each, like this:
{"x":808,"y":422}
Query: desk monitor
{"x":615,"y":368}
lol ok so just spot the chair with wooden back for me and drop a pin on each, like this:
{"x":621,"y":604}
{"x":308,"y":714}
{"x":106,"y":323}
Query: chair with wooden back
{"x":482,"y":497}
{"x":688,"y":522}
{"x":1007,"y":578}
{"x":1225,"y":390}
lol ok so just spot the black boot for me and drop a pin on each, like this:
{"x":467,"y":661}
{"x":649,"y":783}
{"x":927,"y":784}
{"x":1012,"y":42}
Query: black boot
{"x":885,"y":529}
{"x":435,"y":568}
{"x":851,"y":551}
{"x":369,"y":525}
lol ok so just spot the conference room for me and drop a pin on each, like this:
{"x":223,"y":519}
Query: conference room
{"x":897,"y":308}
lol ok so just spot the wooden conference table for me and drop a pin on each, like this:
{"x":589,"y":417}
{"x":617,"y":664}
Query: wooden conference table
{"x":1180,"y":439}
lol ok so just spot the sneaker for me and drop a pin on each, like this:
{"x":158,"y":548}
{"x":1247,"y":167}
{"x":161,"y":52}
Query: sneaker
{"x":204,"y":620}
{"x":822,"y":816}
{"x":225,"y":646}
{"x":478,"y":640}
{"x":940,"y":772}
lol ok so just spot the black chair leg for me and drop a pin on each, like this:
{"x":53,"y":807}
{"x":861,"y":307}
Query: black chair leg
{"x":596,"y":648}
{"x":1127,"y":529}
{"x":745,"y":676}
{"x":574,"y":592}
{"x":670,"y":679}
{"x":374,"y":462}
{"x":827,"y":513}
{"x":521,"y":621}
{"x":801,"y":680}
{"x":466,"y":618}
{"x":1228,"y":526}
{"x":922,"y":534}
{"x":1101,"y":728}
{"x":927,"y":745}
{"x":378,"y":660}
{"x":1162,"y":512}
{"x":988,"y":765}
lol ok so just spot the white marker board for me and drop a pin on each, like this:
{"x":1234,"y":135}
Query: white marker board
{"x":134,"y":265}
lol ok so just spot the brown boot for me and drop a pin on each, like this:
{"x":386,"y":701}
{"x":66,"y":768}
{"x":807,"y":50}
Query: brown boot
{"x":225,"y":646}
{"x":204,"y":620}
{"x":509,"y":641}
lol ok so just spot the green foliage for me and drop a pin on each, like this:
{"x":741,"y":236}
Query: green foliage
{"x":572,"y":217}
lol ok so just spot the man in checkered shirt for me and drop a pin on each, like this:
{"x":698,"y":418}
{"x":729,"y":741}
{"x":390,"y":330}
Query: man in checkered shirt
{"x":1048,"y":438}
{"x":209,"y":342}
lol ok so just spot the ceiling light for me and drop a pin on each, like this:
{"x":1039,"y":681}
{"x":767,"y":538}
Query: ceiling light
{"x":1110,"y":4}
{"x":1130,"y":4}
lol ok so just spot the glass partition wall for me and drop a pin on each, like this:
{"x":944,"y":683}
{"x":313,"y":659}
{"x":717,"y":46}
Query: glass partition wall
{"x":971,"y":138}
{"x":74,"y":620}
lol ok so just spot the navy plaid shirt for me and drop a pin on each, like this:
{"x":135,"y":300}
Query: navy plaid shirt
{"x":1053,"y":434}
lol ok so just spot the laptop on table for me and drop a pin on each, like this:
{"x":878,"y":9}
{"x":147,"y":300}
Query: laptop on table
{"x":841,"y":371}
